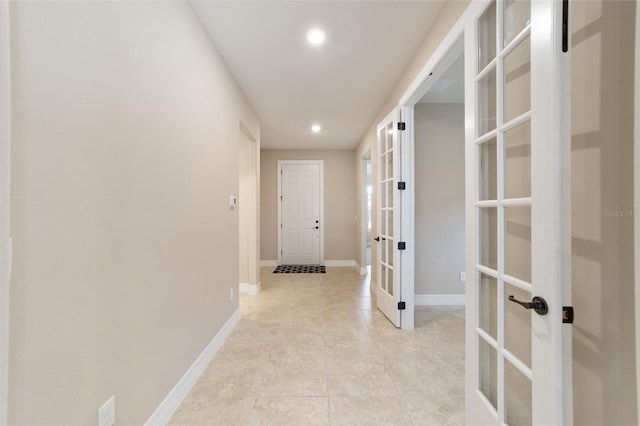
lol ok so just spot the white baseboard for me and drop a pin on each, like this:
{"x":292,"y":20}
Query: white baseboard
{"x":168,"y":406}
{"x":439,"y":299}
{"x":330,"y":263}
{"x":340,"y":263}
{"x":250,"y":288}
{"x":360,"y":269}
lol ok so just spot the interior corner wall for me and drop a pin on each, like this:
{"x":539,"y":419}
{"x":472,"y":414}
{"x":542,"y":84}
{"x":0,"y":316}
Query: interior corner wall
{"x":604,"y":358}
{"x":124,"y":153}
{"x":450,"y":13}
{"x":339,"y":201}
{"x":439,"y":198}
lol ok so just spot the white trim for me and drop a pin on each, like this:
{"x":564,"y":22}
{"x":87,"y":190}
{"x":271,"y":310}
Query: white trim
{"x":332,"y":263}
{"x":341,"y":263}
{"x":423,"y":82}
{"x":253,"y":203}
{"x":168,"y":406}
{"x":363,"y":271}
{"x":364,"y":212}
{"x":407,"y":220}
{"x":5,"y":225}
{"x":320,"y":163}
{"x":247,"y":288}
{"x":439,"y":299}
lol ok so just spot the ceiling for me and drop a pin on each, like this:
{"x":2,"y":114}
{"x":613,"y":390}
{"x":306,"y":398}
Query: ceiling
{"x":340,"y":85}
{"x":449,"y":88}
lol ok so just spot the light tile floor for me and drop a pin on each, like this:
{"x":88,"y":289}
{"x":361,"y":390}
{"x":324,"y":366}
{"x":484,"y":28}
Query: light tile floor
{"x":312,"y":349}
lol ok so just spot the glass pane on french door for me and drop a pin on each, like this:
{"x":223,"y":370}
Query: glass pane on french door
{"x":503,"y":209}
{"x":386,"y":209}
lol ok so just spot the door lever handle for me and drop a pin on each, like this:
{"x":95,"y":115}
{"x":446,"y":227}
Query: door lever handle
{"x":377,"y":239}
{"x":538,"y":304}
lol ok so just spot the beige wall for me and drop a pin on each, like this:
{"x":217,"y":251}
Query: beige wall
{"x":636,"y":190}
{"x":439,"y":198}
{"x":603,"y":271}
{"x":339,"y":201}
{"x":125,"y":129}
{"x":449,"y":15}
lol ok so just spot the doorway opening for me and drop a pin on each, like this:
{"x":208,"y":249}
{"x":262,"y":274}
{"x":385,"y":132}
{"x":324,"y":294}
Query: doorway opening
{"x":248,"y":198}
{"x":366,"y":213}
{"x":439,"y":194}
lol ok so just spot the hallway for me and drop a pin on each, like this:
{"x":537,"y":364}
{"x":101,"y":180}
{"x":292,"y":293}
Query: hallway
{"x":313,"y":349}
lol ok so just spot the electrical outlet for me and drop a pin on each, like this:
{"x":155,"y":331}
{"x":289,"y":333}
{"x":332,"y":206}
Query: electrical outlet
{"x":107,"y":413}
{"x":231,"y":294}
{"x":463,"y":277}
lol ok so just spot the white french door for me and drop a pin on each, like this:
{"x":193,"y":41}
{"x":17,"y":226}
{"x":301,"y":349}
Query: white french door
{"x":388,"y":286}
{"x":300,"y":218}
{"x":518,"y":220}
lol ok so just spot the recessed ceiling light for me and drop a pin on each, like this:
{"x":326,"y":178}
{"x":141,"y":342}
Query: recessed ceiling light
{"x":316,"y":128}
{"x":315,"y":36}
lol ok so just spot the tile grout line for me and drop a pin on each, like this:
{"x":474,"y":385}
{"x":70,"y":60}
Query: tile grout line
{"x":342,"y":320}
{"x":326,"y":372}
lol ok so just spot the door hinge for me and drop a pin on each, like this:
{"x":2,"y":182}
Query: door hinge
{"x":402,"y":125}
{"x":402,"y":245}
{"x":402,"y":306}
{"x":565,"y":26}
{"x":402,"y":186}
{"x":281,"y":198}
{"x":280,"y":226}
{"x":567,"y":314}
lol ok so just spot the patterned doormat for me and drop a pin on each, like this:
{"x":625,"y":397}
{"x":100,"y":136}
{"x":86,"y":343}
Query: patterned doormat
{"x":300,"y":269}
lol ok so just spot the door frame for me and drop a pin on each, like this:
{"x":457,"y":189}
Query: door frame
{"x":322,"y":223}
{"x":443,"y":56}
{"x":5,"y":209}
{"x":253,"y":217}
{"x":364,"y":213}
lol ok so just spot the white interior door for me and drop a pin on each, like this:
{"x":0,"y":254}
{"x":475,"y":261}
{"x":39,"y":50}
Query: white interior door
{"x":388,"y":286}
{"x":518,"y":219}
{"x":300,"y":214}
